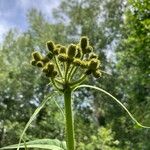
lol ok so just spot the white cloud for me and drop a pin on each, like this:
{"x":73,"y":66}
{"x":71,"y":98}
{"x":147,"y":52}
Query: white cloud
{"x":45,"y":6}
{"x":10,"y":19}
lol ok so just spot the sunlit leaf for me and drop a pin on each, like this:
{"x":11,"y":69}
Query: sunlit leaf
{"x":99,"y":89}
{"x":52,"y":144}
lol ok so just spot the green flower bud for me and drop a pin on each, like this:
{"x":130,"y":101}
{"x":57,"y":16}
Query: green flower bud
{"x":93,"y":55}
{"x":94,"y":64}
{"x":45,"y":60}
{"x":97,"y":74}
{"x":37,"y":56}
{"x":33,"y":62}
{"x":56,"y":51}
{"x":48,"y":74}
{"x":79,"y":53}
{"x":62,"y":50}
{"x":51,"y":74}
{"x":89,"y":49}
{"x":88,"y":72}
{"x":62,"y":57}
{"x":50,"y":67}
{"x":70,"y":60}
{"x":84,"y":42}
{"x":40,"y":64}
{"x":54,"y":73}
{"x":84,"y":64}
{"x":71,"y":50}
{"x":77,"y":62}
{"x":45,"y":70}
{"x":50,"y":55}
{"x":58,"y":45}
{"x":50,"y":46}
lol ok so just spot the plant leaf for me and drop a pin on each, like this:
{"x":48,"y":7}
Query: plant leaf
{"x":52,"y":144}
{"x":59,"y":107}
{"x":34,"y":115}
{"x":99,"y":89}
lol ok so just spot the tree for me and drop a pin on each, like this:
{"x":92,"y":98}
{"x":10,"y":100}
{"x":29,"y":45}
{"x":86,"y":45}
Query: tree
{"x":101,"y":21}
{"x":22,"y":87}
{"x":132,"y":67}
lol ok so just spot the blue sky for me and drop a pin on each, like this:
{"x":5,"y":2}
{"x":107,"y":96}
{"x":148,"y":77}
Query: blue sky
{"x":13,"y":13}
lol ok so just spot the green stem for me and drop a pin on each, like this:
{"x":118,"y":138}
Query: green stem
{"x":74,"y":84}
{"x":58,"y":67}
{"x":74,"y":69}
{"x":59,"y":81}
{"x":69,"y":119}
{"x":55,"y":85}
{"x":66,"y":71}
{"x":71,"y":73}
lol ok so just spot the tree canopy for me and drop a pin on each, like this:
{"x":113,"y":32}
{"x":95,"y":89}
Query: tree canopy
{"x":119,"y":32}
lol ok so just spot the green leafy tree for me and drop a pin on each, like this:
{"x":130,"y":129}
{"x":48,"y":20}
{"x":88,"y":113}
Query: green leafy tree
{"x":20,"y":92}
{"x":133,"y":70}
{"x":101,"y":21}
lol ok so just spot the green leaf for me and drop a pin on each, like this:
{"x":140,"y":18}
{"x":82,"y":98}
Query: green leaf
{"x":101,"y":90}
{"x":34,"y":115}
{"x":52,"y":144}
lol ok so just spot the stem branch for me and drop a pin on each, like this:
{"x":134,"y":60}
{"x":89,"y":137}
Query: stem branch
{"x":58,"y":67}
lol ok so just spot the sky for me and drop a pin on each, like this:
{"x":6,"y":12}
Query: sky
{"x":13,"y":13}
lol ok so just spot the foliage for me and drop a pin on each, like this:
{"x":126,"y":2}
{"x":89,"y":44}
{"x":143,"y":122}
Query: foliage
{"x":108,"y":26}
{"x":40,"y":144}
{"x":133,"y":63}
{"x":102,"y":140}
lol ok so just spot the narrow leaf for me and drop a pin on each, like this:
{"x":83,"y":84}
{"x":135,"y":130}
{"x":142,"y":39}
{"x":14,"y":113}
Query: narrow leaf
{"x":99,"y":89}
{"x":52,"y":144}
{"x":34,"y":115}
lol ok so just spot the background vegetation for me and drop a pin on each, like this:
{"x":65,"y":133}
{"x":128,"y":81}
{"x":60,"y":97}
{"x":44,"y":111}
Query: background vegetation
{"x":119,"y":31}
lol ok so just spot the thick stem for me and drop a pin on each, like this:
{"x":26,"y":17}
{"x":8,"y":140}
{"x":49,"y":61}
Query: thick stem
{"x":69,"y":119}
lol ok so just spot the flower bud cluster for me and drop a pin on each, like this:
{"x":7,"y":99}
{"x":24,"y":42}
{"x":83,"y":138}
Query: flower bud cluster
{"x":79,"y":55}
{"x":44,"y":63}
